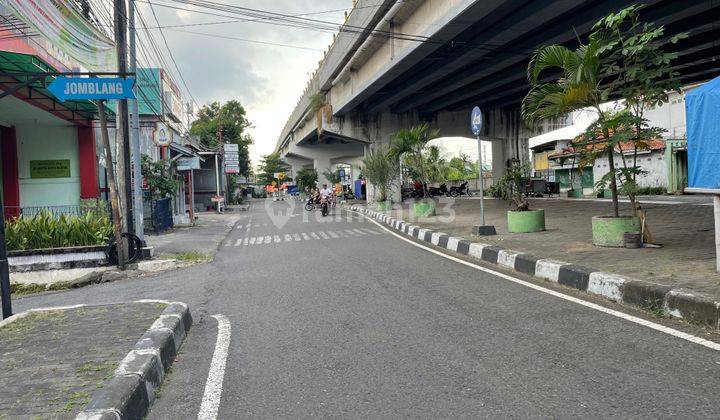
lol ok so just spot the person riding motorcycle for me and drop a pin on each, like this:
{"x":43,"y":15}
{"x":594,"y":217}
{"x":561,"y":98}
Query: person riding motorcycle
{"x":326,"y":192}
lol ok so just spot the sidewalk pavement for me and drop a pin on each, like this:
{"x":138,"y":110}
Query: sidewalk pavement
{"x":685,"y":228}
{"x":53,"y":362}
{"x":204,"y":237}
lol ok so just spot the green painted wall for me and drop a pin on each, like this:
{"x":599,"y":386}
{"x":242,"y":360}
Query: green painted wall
{"x":582,"y":179}
{"x":48,"y":142}
{"x":149,"y":96}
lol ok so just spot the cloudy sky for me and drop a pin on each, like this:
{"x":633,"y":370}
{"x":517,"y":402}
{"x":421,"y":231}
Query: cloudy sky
{"x":267,"y":79}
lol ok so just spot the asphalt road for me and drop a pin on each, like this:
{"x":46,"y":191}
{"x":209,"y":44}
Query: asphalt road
{"x":337,"y":318}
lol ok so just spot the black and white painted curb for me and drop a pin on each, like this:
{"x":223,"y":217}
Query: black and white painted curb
{"x":677,"y":303}
{"x":131,"y":392}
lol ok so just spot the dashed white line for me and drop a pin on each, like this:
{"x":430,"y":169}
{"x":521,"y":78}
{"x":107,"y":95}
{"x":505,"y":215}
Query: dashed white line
{"x":213,"y":387}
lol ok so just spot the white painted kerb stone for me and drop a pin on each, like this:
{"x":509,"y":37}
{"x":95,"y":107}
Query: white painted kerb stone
{"x":607,"y":284}
{"x":506,"y":258}
{"x":476,"y":249}
{"x":548,"y":269}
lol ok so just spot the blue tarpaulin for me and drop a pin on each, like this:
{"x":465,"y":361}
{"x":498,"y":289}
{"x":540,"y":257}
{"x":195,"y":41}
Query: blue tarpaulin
{"x":702,"y":107}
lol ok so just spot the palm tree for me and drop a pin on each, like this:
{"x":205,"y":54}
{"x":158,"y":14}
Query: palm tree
{"x":578,"y":86}
{"x":380,"y":170}
{"x":332,"y":176}
{"x":412,"y":142}
{"x":435,"y":165}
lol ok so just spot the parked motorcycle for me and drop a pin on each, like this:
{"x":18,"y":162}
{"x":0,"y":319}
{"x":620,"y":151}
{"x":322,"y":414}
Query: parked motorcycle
{"x":438,"y":191}
{"x":459,"y":190}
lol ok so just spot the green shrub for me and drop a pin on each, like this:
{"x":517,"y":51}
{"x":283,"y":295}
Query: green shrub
{"x":47,"y":231}
{"x":650,"y":191}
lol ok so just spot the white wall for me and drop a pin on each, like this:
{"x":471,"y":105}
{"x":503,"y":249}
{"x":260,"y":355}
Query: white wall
{"x":670,"y":116}
{"x":44,"y":142}
{"x":653,"y":163}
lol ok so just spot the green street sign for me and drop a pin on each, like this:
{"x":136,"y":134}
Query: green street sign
{"x":59,"y":168}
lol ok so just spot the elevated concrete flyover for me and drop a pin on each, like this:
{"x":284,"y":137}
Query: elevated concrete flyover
{"x":397,"y":63}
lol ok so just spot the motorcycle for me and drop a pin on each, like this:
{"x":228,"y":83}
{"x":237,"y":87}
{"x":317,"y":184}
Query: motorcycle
{"x":324,"y":206}
{"x":311,"y":203}
{"x":460,"y":190}
{"x":437,"y":191}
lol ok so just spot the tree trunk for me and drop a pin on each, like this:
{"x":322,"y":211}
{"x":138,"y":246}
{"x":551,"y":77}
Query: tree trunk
{"x":613,"y":182}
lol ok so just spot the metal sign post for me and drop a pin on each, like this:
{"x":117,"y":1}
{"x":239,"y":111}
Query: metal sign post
{"x":101,"y":89}
{"x":476,"y":124}
{"x":4,"y":269}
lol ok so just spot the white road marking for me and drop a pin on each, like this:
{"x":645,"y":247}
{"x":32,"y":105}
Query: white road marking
{"x":288,"y":237}
{"x":245,"y":242}
{"x":238,"y":242}
{"x":213,"y":387}
{"x":667,"y":330}
{"x":305,"y":236}
{"x":252,"y":240}
{"x":359,"y":231}
{"x":333,"y":234}
{"x":314,"y":235}
{"x":297,"y":237}
{"x":324,"y":235}
{"x":374,"y":232}
{"x":268,"y":239}
{"x":277,"y":239}
{"x":350,"y":231}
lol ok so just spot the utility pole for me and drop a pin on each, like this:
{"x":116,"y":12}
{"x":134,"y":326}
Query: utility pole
{"x":135,"y":132}
{"x":217,"y":164}
{"x":122,"y":124}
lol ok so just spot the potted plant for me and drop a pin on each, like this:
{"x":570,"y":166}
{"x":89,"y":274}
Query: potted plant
{"x":623,"y":57}
{"x":410,"y":144}
{"x":380,"y":169}
{"x":521,"y":219}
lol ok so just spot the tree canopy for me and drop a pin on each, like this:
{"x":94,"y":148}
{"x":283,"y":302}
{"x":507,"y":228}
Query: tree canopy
{"x":232,"y":121}
{"x":269,"y":165}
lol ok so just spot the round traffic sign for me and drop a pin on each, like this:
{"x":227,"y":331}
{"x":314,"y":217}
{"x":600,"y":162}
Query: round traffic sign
{"x":476,"y":121}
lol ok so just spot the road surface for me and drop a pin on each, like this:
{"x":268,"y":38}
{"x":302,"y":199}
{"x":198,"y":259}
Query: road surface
{"x":338,"y":318}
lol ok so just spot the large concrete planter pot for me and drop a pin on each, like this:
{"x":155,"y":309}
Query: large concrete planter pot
{"x":526,"y":221}
{"x":609,"y":231}
{"x":575,"y":193}
{"x":424,"y":208}
{"x":384,"y":205}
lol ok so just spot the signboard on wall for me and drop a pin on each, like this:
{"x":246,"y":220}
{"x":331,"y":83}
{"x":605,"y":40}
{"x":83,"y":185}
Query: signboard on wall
{"x":57,"y":168}
{"x":163,"y":135}
{"x":188,"y":163}
{"x":232,"y":158}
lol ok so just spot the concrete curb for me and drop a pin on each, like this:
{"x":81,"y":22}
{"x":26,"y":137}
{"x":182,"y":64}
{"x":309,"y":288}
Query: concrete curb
{"x":676,"y":303}
{"x":131,"y":392}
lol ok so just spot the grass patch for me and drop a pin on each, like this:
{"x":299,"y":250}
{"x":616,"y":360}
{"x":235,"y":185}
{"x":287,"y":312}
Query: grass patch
{"x":192,"y":256}
{"x":76,"y":399}
{"x":20,"y":289}
{"x":655,"y":306}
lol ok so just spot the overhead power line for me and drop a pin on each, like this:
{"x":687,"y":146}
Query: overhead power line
{"x":246,"y":40}
{"x":162,"y":34}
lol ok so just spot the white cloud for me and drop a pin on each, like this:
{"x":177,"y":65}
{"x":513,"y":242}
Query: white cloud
{"x":267,"y":79}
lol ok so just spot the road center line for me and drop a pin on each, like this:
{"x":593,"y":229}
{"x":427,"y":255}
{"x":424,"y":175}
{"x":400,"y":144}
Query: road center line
{"x":657,"y":327}
{"x":213,"y":386}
